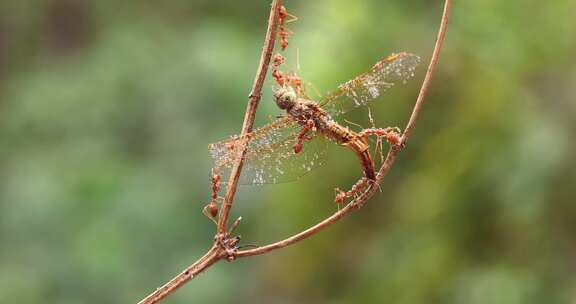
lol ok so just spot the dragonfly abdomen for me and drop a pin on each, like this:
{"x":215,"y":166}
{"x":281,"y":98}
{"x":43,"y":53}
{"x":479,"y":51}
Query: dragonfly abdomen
{"x":351,"y":139}
{"x":304,"y":110}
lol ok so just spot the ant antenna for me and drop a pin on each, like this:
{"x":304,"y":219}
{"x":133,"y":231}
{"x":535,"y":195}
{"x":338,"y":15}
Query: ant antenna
{"x":379,"y":148}
{"x":293,"y":18}
{"x":298,"y":59}
{"x":315,"y":89}
{"x":354,"y":124}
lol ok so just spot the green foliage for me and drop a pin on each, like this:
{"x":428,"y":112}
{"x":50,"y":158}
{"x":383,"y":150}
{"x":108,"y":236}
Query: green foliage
{"x":107,"y":110}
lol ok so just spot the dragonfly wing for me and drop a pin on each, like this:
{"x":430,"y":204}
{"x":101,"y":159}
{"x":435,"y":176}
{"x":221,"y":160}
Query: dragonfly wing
{"x":269,"y":156}
{"x":396,"y":68}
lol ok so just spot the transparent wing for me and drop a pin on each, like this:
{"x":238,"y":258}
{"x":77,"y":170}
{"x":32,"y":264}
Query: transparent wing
{"x":396,"y":68}
{"x":269,"y":156}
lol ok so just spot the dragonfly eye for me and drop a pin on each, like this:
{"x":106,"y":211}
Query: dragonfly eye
{"x":285,"y":98}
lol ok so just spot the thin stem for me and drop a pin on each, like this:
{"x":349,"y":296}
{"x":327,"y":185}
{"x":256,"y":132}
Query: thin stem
{"x":253,"y":100}
{"x":384,"y":169}
{"x":211,"y":257}
{"x":431,"y":68}
{"x":353,"y":205}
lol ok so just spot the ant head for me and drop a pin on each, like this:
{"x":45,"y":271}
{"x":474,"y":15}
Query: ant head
{"x":285,"y":97}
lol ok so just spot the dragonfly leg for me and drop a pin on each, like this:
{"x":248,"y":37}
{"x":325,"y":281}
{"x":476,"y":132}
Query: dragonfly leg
{"x":302,"y":136}
{"x":391,"y":134}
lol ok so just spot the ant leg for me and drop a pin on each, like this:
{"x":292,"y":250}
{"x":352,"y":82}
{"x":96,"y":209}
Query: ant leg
{"x":379,"y":149}
{"x":293,"y":18}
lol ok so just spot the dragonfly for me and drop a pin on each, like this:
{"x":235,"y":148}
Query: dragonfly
{"x":294,"y":143}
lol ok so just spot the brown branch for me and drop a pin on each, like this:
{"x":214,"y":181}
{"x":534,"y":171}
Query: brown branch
{"x":384,"y":169}
{"x":353,"y":205}
{"x":253,"y":100}
{"x":211,"y":257}
{"x":431,"y":67}
{"x":222,"y":244}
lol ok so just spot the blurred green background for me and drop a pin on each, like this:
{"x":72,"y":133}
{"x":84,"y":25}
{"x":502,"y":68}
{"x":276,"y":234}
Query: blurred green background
{"x":107,"y":108}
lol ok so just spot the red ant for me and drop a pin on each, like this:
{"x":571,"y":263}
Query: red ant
{"x":341,"y":196}
{"x":278,"y":75}
{"x":284,"y":33}
{"x":283,"y":79}
{"x":392,"y":136}
{"x":302,"y":136}
{"x":211,"y":209}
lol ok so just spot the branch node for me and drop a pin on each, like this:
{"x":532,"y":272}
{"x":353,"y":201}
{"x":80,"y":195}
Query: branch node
{"x":254,"y":96}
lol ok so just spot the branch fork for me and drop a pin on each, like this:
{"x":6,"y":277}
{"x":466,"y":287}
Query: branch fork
{"x":225,"y":246}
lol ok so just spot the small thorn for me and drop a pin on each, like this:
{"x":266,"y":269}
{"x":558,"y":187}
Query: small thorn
{"x":235,"y":225}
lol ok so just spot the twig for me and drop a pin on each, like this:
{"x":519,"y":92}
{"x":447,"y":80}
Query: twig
{"x":224,"y":247}
{"x":428,"y":78}
{"x":221,"y":247}
{"x":253,"y":100}
{"x":211,"y":257}
{"x":384,"y":169}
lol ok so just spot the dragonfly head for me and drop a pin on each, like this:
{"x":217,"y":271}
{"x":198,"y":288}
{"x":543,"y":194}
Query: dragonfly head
{"x":285,"y":97}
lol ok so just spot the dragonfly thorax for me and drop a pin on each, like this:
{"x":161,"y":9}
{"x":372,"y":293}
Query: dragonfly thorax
{"x":285,"y":98}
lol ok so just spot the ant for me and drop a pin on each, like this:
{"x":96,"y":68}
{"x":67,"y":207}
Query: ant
{"x":284,"y":33}
{"x":211,"y":209}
